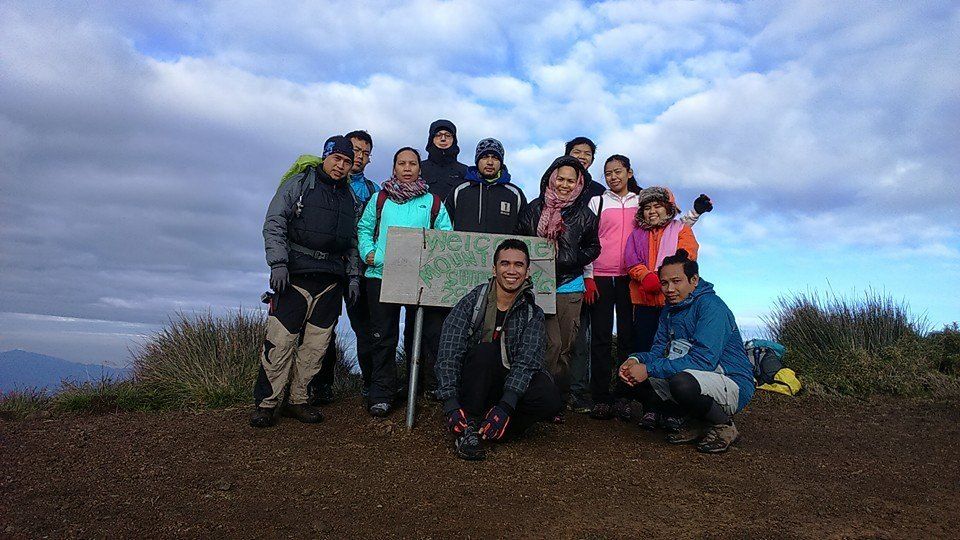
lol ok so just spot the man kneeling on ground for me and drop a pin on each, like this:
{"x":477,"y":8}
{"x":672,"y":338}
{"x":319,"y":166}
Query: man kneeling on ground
{"x":490,"y":371}
{"x":697,"y":368}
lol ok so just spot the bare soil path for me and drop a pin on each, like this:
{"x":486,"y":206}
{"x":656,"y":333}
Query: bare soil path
{"x":805,"y":467}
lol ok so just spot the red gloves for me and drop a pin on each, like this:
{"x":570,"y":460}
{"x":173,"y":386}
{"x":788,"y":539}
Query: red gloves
{"x":495,"y":424}
{"x":456,"y":421}
{"x":651,"y":283}
{"x":591,"y":293}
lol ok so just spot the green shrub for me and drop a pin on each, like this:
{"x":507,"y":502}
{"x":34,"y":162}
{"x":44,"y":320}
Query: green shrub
{"x":945,"y":348}
{"x":202,"y":361}
{"x":858,"y":346}
{"x":103,"y":396}
{"x":18,"y":404}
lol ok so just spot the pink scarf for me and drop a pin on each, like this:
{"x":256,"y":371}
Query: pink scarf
{"x":551,"y":222}
{"x":401,"y":192}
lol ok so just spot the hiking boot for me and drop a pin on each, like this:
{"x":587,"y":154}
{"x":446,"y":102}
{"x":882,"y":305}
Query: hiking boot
{"x":672,"y":424}
{"x":625,"y":410}
{"x":689,"y":433}
{"x":380,"y":409}
{"x":262,"y":417}
{"x":650,"y":421}
{"x":581,"y":405}
{"x":602,"y":411}
{"x":308,"y":414}
{"x":468,"y":445}
{"x":718,"y":439}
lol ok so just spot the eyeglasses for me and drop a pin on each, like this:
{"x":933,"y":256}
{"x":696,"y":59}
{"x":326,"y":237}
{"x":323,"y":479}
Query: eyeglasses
{"x":443,"y":135}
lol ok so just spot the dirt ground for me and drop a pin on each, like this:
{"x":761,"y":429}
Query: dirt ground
{"x":805,"y":467}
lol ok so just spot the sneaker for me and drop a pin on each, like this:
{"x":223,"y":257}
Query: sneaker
{"x":718,"y":439}
{"x":625,"y":410}
{"x":468,"y":445}
{"x":308,"y":414}
{"x":650,"y":421}
{"x":380,"y":409}
{"x":672,"y":424}
{"x":602,"y":411}
{"x":262,"y":417}
{"x":581,"y":405}
{"x":689,"y":433}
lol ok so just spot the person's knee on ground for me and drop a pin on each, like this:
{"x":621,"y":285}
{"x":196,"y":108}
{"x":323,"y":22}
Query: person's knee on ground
{"x":687,"y":392}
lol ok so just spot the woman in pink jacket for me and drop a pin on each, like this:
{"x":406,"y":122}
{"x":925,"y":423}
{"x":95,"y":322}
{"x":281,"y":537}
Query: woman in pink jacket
{"x":607,"y":280}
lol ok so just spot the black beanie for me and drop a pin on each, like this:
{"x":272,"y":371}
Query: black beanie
{"x":338,"y":144}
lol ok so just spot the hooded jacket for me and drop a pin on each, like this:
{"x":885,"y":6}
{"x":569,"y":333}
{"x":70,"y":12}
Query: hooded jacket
{"x":640,"y":254}
{"x":488,"y":206}
{"x":316,"y":212}
{"x":441,"y":170}
{"x":524,"y":342}
{"x":707,"y":324}
{"x":578,"y":244}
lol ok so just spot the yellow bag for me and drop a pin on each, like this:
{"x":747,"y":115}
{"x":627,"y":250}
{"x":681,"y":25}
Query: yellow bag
{"x":784,"y":382}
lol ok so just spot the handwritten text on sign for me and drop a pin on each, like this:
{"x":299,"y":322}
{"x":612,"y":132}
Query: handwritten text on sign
{"x":450,"y":263}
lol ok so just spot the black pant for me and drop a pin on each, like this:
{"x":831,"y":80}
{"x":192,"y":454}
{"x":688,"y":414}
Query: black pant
{"x":688,"y":399}
{"x":359,"y":315}
{"x":614,"y":297}
{"x":646,"y":319}
{"x":384,"y":336}
{"x":481,"y":387}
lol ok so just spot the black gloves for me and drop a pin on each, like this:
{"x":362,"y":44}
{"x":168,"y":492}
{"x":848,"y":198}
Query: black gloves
{"x":279,"y":278}
{"x":353,"y":291}
{"x":495,"y":424}
{"x":703,"y":204}
{"x":456,"y":421}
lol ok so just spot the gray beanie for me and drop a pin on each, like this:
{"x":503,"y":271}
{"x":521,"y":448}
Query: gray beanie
{"x":489,"y":146}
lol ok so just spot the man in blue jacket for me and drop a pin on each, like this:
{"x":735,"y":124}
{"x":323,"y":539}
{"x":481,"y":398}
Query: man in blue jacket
{"x":697,"y":366}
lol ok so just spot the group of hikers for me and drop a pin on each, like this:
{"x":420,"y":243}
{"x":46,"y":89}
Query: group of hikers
{"x":495,"y":361}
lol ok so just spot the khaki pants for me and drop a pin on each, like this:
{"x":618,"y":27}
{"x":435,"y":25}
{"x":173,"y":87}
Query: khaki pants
{"x":301,"y":322}
{"x":562,"y":331}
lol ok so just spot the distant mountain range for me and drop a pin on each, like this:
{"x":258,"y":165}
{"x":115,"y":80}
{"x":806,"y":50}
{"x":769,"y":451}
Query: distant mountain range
{"x":22,"y":369}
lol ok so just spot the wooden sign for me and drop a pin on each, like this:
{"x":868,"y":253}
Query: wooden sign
{"x":427,"y":267}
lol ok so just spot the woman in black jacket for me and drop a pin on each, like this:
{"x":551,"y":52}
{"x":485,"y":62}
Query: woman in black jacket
{"x":561,"y":214}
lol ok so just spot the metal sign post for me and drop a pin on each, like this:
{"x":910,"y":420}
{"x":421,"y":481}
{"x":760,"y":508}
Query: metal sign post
{"x":414,"y":368}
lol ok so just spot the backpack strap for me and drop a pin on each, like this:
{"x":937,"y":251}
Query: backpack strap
{"x":381,"y":200}
{"x":476,"y":318}
{"x":435,"y":210}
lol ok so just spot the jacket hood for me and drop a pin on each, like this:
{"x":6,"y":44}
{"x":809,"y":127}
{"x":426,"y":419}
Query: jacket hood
{"x":703,"y":288}
{"x":437,"y":155}
{"x":473,"y":175}
{"x":560,"y":162}
{"x":652,"y":194}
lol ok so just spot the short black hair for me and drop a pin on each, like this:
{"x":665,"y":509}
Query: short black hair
{"x":690,"y":267}
{"x":361,"y":135}
{"x":580,"y":140}
{"x":511,"y":243}
{"x":414,"y":150}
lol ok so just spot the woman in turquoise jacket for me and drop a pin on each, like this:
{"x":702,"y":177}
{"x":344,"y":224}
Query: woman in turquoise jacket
{"x":405,"y":203}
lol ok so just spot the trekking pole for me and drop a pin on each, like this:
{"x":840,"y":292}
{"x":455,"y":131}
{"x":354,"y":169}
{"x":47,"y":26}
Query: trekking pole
{"x":414,"y":368}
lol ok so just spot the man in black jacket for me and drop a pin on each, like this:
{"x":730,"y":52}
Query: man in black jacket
{"x":490,"y":370}
{"x":487,"y":201}
{"x":310,"y":237}
{"x":441,"y":170}
{"x":585,"y":151}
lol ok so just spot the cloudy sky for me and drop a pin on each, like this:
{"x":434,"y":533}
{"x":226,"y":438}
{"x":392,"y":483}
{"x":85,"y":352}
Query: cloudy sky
{"x":141,"y":142}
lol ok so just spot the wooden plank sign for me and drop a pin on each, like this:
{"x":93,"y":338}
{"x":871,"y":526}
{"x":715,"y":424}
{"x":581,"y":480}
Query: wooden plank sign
{"x":437,"y":268}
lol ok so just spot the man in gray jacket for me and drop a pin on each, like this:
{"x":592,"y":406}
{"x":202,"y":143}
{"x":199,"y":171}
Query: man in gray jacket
{"x":310,"y":238}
